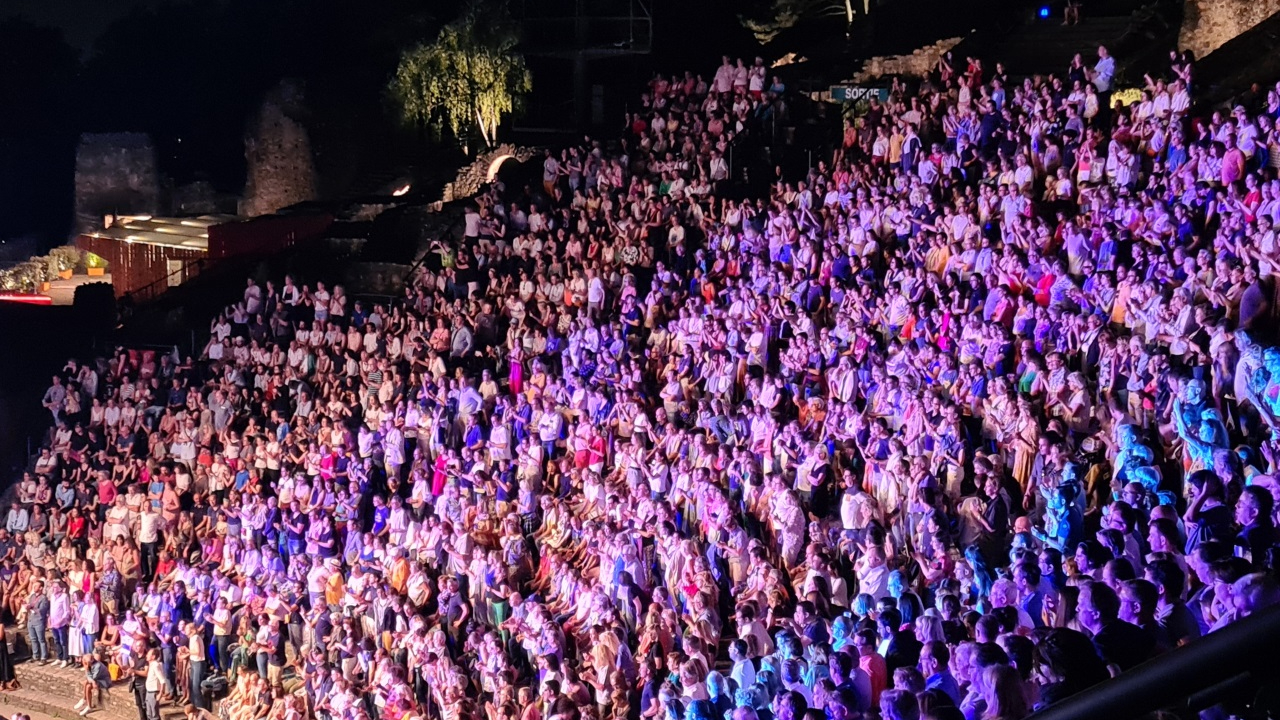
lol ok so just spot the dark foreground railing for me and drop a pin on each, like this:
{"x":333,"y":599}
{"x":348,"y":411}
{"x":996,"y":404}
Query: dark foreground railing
{"x":1239,"y":664}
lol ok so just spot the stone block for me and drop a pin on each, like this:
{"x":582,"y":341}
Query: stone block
{"x":116,"y":174}
{"x":918,"y":63}
{"x":1209,"y":24}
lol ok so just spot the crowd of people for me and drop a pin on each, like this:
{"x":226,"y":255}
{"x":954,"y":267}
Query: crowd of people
{"x":971,"y":416}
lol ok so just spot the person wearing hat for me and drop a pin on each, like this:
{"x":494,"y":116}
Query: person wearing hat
{"x":334,"y":584}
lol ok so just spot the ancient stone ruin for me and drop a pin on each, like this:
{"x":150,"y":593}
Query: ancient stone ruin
{"x":281,"y":170}
{"x":917,"y":64}
{"x":1209,"y":24}
{"x":200,"y":198}
{"x":116,"y":174}
{"x":474,"y":176}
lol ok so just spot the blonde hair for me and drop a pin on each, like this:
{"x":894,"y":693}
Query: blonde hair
{"x":929,"y":629}
{"x":1003,"y":693}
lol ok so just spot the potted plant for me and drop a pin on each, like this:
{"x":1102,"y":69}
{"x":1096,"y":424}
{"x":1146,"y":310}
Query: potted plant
{"x":95,"y":265}
{"x":49,"y":263}
{"x":30,"y":276}
{"x":63,"y":261}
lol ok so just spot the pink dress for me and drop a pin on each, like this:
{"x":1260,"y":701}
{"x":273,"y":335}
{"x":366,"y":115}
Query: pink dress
{"x":439,"y":476}
{"x":515,"y":379}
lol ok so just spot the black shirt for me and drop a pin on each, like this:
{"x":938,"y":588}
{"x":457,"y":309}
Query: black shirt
{"x":997,"y":515}
{"x":276,"y":656}
{"x":1124,"y":644}
{"x":1254,"y":540}
{"x":1215,"y":523}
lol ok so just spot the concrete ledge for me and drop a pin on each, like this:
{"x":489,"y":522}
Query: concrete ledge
{"x":55,"y":691}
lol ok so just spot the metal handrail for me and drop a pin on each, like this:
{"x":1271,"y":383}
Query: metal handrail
{"x":1190,"y":676}
{"x":158,"y":287}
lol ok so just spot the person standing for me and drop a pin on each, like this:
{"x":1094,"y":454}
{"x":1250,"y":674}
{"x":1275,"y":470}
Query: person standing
{"x":1104,"y":72}
{"x":199,"y":665}
{"x":60,"y":622}
{"x":550,"y":177}
{"x":8,"y":681}
{"x":138,"y":683}
{"x":222,"y":633}
{"x":154,"y":682}
{"x":90,"y":624}
{"x":149,"y":539}
{"x":38,"y":622}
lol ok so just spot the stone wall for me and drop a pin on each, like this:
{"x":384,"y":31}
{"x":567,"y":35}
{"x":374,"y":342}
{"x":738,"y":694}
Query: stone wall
{"x":281,"y":170}
{"x":116,"y":174}
{"x":200,"y":198}
{"x":53,"y":691}
{"x":474,"y":176}
{"x":918,"y":64}
{"x":1209,"y":24}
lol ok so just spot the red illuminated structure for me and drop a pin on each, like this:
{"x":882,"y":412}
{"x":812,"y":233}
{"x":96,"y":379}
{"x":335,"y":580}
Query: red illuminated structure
{"x":26,"y":298}
{"x":151,"y":254}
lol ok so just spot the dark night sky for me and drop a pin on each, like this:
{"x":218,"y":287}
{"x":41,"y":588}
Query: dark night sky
{"x":181,"y":73}
{"x":80,"y":20}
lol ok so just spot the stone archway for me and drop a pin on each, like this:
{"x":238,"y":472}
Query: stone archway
{"x":495,"y":165}
{"x":484,"y":169}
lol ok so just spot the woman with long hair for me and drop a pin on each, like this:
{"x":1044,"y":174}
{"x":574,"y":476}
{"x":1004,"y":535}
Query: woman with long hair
{"x":1002,"y":693}
{"x":983,"y":577}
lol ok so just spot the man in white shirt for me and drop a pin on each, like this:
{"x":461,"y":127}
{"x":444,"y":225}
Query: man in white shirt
{"x":723,"y":81}
{"x":549,"y":428}
{"x":1179,"y":100}
{"x":873,"y":575}
{"x":117,"y":525}
{"x":252,"y":298}
{"x":744,"y":671}
{"x":719,"y":167}
{"x":149,"y":539}
{"x":753,"y":632}
{"x":154,"y":683}
{"x":471,"y":223}
{"x":17,"y":520}
{"x":392,"y":449}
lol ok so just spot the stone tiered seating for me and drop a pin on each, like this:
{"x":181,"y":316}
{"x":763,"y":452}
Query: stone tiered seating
{"x":55,"y":691}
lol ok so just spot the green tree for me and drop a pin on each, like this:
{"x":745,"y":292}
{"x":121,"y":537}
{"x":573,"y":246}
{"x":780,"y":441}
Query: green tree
{"x":785,"y":14}
{"x":466,"y":80}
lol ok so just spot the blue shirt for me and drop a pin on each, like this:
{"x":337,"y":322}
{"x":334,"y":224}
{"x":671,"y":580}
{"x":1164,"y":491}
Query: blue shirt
{"x":380,"y":516}
{"x":946,"y":683}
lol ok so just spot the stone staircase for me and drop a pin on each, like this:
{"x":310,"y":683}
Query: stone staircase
{"x":55,"y":691}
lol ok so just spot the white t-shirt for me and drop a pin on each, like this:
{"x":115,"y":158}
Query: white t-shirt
{"x":471,"y":222}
